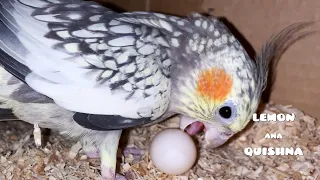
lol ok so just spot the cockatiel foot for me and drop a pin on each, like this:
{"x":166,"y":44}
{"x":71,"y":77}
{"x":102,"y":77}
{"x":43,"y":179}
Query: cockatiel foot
{"x":135,"y":151}
{"x":120,"y":177}
{"x":109,"y":174}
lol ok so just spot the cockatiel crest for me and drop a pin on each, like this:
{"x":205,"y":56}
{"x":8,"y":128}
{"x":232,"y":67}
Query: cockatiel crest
{"x":109,"y":71}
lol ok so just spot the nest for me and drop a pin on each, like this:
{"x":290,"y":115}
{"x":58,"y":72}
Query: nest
{"x":63,"y":159}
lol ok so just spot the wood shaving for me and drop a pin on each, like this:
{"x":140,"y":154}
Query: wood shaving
{"x":60,"y":158}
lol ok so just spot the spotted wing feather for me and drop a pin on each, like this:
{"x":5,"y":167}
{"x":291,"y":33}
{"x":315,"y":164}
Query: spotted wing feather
{"x":89,"y":59}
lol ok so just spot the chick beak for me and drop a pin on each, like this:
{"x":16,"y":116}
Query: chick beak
{"x":213,"y":137}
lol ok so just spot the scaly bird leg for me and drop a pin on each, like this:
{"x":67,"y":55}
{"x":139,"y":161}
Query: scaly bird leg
{"x":108,"y":155}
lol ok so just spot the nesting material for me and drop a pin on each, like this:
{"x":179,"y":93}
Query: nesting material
{"x":21,"y":159}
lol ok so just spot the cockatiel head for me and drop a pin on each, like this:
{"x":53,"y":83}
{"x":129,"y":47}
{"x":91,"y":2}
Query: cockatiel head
{"x":216,"y":85}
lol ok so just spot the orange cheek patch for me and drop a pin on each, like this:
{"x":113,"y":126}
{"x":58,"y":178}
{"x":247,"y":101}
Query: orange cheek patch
{"x":214,"y":84}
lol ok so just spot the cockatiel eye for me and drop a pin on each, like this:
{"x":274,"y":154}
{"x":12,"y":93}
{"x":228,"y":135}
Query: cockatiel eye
{"x":227,"y":112}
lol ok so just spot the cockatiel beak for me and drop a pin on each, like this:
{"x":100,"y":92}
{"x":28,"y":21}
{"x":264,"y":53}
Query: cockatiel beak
{"x":215,"y":136}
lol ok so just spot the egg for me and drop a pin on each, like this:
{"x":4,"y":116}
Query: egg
{"x":173,"y":151}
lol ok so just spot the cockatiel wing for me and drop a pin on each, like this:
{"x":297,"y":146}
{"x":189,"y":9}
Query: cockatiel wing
{"x":112,"y":69}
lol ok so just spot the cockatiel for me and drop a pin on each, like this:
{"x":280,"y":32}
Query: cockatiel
{"x":90,"y":72}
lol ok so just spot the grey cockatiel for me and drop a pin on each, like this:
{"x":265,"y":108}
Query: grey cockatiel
{"x":90,"y":72}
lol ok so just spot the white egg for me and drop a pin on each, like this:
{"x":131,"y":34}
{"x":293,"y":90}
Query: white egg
{"x":173,"y":151}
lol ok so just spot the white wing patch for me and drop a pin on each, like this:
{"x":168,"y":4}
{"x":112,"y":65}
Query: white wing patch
{"x":122,"y":41}
{"x":122,"y":29}
{"x":72,"y":47}
{"x":98,"y":27}
{"x":64,"y":34}
{"x":87,"y":34}
{"x":146,"y":49}
{"x":165,"y":25}
{"x":95,"y":18}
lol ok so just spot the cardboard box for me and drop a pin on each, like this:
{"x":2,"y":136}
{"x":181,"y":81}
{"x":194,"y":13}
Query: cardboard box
{"x":298,"y":76}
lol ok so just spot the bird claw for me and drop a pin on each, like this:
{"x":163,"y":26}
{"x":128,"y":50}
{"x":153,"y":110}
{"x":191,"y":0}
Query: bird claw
{"x":109,"y":173}
{"x":75,"y":150}
{"x":135,"y":151}
{"x":120,"y":177}
{"x":37,"y":135}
